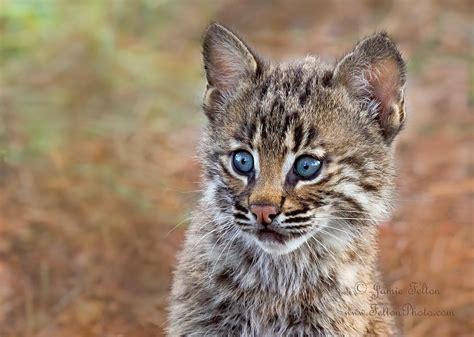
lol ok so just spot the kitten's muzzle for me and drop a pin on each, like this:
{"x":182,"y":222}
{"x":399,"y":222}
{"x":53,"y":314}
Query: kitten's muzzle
{"x":265,"y":213}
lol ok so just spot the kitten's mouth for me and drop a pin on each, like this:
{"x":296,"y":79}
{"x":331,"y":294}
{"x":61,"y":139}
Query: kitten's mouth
{"x":270,"y":235}
{"x":274,"y":240}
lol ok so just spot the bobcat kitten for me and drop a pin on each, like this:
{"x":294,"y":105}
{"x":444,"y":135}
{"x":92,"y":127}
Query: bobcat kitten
{"x":298,"y":169}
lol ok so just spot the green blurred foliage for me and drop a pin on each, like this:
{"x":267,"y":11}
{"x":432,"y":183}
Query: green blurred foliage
{"x":73,"y":69}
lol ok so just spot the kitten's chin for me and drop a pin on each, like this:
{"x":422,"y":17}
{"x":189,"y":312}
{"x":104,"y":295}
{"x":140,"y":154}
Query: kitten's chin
{"x":277,"y":248}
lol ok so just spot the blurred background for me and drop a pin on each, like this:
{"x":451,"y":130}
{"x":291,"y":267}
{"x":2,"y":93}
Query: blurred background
{"x":99,"y":121}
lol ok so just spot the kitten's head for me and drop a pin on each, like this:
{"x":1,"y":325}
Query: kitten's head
{"x":296,"y":148}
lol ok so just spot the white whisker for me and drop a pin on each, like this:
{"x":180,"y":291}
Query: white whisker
{"x":321,"y":230}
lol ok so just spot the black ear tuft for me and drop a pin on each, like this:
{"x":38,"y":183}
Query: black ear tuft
{"x":374,"y":73}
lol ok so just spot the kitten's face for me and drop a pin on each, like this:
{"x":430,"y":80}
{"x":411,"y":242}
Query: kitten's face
{"x":289,"y":152}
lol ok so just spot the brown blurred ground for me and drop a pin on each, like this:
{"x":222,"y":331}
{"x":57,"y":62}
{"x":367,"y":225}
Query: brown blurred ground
{"x":99,"y":119}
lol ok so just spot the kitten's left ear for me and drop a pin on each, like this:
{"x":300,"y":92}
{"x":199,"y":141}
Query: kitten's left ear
{"x":374,"y":73}
{"x":227,"y":61}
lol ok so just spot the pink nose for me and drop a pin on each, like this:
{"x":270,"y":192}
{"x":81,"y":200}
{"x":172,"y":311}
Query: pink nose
{"x":264,"y":213}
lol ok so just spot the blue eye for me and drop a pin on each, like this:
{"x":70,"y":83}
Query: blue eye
{"x":242,"y":162}
{"x":307,"y":167}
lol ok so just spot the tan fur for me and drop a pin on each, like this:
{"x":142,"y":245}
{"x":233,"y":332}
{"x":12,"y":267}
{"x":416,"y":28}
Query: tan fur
{"x":230,"y":283}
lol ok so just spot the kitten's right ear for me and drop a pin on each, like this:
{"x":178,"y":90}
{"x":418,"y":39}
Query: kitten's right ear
{"x":227,"y":61}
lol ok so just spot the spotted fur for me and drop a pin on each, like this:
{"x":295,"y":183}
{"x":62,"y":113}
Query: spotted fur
{"x":228,"y":282}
